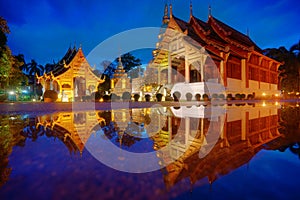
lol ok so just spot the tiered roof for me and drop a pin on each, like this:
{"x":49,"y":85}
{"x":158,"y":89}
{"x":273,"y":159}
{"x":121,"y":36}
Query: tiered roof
{"x":214,"y":35}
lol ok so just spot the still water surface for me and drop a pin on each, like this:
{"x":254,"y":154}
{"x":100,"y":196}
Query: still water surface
{"x":197,"y":152}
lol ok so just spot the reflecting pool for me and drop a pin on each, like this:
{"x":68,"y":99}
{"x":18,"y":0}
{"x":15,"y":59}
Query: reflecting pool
{"x":238,"y":151}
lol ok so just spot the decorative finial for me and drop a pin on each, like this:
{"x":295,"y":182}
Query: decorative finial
{"x":171,"y":11}
{"x":209,"y":10}
{"x":166,"y":13}
{"x":191,"y":8}
{"x":248,"y":34}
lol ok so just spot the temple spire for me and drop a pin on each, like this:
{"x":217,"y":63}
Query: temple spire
{"x":209,"y":10}
{"x":171,"y":11}
{"x":166,"y":13}
{"x":191,"y":9}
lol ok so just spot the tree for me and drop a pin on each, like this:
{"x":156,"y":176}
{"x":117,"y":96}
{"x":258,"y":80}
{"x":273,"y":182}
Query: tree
{"x":35,"y":68}
{"x":128,"y":60}
{"x":289,"y":72}
{"x":10,"y":73}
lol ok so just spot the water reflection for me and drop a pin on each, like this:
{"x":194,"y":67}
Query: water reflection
{"x":179,"y":136}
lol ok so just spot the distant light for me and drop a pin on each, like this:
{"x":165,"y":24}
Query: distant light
{"x":264,"y":94}
{"x":297,"y":105}
{"x":101,"y":100}
{"x":11,"y":92}
{"x":24,"y":91}
{"x":264,"y":104}
{"x":33,"y":99}
{"x":276,"y":103}
{"x":276,"y":95}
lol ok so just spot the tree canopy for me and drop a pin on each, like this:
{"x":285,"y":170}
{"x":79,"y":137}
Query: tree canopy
{"x":11,"y":75}
{"x":289,"y":72}
{"x":128,"y":60}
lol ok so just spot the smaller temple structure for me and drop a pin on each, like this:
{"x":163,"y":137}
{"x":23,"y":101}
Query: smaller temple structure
{"x":120,"y":83}
{"x":72,"y":77}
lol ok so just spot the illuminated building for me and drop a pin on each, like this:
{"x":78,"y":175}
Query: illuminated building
{"x":193,"y":53}
{"x":72,"y":77}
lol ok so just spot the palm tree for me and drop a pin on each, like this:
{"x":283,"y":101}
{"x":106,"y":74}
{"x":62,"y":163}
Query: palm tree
{"x":34,"y":69}
{"x":295,"y":52}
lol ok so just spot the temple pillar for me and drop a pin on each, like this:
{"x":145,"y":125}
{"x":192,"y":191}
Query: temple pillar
{"x":186,"y":66}
{"x":187,"y":129}
{"x":244,"y":74}
{"x":169,"y":68}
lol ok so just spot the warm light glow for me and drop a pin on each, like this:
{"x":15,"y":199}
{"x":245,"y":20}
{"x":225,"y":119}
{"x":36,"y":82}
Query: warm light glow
{"x":276,"y":95}
{"x":101,"y":100}
{"x":11,"y":92}
{"x":297,"y":105}
{"x":264,"y":94}
{"x":297,"y":93}
{"x":33,"y":99}
{"x":264,"y":104}
{"x":276,"y":103}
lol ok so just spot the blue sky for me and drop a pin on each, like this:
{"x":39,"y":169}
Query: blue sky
{"x":44,"y":29}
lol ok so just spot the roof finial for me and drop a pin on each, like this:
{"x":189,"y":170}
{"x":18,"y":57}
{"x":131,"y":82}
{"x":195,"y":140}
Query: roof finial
{"x":248,"y":34}
{"x":191,"y":8}
{"x":166,"y":13}
{"x":171,"y":11}
{"x":209,"y":10}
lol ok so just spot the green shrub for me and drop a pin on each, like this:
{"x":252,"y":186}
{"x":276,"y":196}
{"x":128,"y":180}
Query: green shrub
{"x":205,"y":97}
{"x":221,"y":96}
{"x":147,"y":97}
{"x":159,"y":97}
{"x":188,"y":96}
{"x":197,"y":97}
{"x":126,"y":96}
{"x":176,"y":96}
{"x":136,"y":97}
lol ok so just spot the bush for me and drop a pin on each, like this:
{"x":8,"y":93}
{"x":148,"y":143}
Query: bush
{"x":106,"y":98}
{"x":3,"y":97}
{"x":188,"y":96}
{"x":205,"y":97}
{"x":169,"y":98}
{"x":238,"y":96}
{"x":114,"y":97}
{"x":176,"y":96}
{"x":197,"y":97}
{"x":136,"y":97}
{"x":159,"y":97}
{"x":243,"y":96}
{"x":50,"y":96}
{"x":221,"y":96}
{"x":126,"y":96}
{"x":147,"y":97}
{"x":96,"y":96}
{"x":215,"y":96}
{"x":229,"y":97}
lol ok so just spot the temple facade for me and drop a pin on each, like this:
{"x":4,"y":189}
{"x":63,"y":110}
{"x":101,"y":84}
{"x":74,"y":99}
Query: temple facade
{"x":193,"y":53}
{"x":72,"y":77}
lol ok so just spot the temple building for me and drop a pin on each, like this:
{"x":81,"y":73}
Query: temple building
{"x":193,"y":53}
{"x":120,"y":83}
{"x":72,"y":77}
